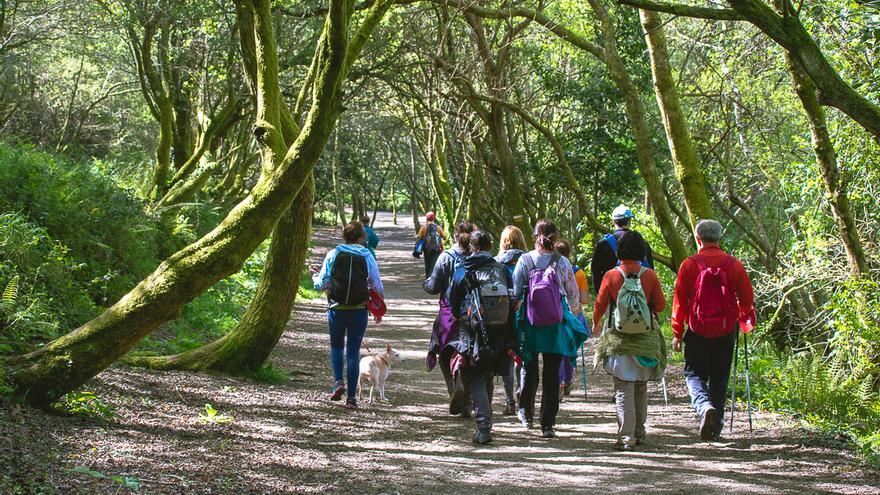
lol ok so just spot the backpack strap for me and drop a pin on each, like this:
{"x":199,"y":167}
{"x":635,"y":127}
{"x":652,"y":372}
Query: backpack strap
{"x":612,"y":243}
{"x":728,"y":262}
{"x":554,"y":260}
{"x":700,"y":261}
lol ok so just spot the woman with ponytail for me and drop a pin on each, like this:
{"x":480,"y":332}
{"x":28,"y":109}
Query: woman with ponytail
{"x":549,"y":327}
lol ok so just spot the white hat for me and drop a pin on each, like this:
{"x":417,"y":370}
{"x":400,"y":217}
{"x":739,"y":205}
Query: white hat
{"x":621,"y":213}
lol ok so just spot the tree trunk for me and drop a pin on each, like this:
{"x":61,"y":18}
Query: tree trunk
{"x":247,"y":346}
{"x":684,"y":157}
{"x":826,"y":159}
{"x":163,"y":148}
{"x":69,"y":361}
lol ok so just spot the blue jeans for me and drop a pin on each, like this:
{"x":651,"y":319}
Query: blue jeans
{"x":707,"y":371}
{"x":350,"y":323}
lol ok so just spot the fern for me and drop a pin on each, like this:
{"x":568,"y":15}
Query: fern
{"x":10,"y":293}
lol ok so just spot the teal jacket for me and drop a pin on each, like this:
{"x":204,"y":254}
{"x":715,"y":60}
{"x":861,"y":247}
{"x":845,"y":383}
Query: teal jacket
{"x":563,"y":338}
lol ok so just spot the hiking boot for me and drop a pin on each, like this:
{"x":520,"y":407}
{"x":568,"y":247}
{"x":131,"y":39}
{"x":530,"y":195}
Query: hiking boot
{"x":337,"y":390}
{"x":483,"y":435}
{"x":510,"y":409}
{"x":351,"y":404}
{"x":707,"y":424}
{"x":547,"y":432}
{"x":521,"y":415}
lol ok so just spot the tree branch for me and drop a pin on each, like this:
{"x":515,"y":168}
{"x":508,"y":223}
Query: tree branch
{"x":686,"y":10}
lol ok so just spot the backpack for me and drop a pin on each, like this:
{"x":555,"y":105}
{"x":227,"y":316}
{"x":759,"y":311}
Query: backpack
{"x":433,"y":242}
{"x":612,"y":243}
{"x":543,"y":301}
{"x":511,"y":266}
{"x":348,"y":280}
{"x":631,"y":313}
{"x":489,"y":294}
{"x":714,"y":310}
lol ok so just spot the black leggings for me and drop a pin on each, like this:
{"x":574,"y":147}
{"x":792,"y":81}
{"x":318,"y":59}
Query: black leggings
{"x":549,"y":389}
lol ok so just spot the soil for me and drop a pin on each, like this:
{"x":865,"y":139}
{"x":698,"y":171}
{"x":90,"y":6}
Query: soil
{"x":288,"y":438}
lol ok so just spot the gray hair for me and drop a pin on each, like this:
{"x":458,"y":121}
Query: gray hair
{"x":709,"y":231}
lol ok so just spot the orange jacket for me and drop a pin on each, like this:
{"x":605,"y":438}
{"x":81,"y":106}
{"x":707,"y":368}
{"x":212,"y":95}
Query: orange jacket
{"x":687,"y":278}
{"x":613,"y":281}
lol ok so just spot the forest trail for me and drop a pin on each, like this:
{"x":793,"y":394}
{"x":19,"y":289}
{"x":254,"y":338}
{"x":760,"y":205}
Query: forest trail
{"x":288,"y":438}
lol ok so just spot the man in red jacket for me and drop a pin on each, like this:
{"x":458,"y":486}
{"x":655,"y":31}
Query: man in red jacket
{"x":713,"y":295}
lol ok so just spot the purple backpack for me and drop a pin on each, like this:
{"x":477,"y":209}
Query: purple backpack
{"x":543,"y":300}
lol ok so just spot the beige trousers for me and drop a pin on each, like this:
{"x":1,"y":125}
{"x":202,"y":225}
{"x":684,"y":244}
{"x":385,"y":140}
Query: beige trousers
{"x":632,"y":410}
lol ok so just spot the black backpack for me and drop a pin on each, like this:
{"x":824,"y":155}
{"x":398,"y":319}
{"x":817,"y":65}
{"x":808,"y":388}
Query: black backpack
{"x":489,"y":294}
{"x":348,"y":280}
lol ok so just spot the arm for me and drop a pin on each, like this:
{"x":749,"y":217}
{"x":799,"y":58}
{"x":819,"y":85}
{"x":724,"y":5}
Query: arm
{"x":520,"y":276}
{"x":436,"y":283}
{"x":373,"y":276}
{"x":320,"y":279}
{"x":650,"y":256}
{"x":583,"y":287}
{"x":681,"y":298}
{"x":745,"y":293}
{"x":569,"y":284}
{"x":656,"y":300}
{"x":422,"y":231}
{"x":602,"y":301}
{"x":442,"y":234}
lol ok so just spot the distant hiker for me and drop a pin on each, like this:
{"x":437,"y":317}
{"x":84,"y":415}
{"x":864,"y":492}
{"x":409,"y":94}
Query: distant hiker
{"x":372,"y":240}
{"x":348,"y":274}
{"x":432,"y":237}
{"x":713,"y":294}
{"x":631,"y":347}
{"x":441,"y":348}
{"x":481,"y":299}
{"x":566,"y":370}
{"x":544,"y":283}
{"x":604,"y":257}
{"x":512,"y":246}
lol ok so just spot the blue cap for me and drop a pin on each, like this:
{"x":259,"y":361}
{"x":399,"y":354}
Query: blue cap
{"x":621,"y":213}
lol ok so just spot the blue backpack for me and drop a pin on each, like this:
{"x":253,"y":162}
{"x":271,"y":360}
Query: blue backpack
{"x":612,"y":242}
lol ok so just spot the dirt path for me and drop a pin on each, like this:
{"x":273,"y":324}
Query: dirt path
{"x":289,"y":439}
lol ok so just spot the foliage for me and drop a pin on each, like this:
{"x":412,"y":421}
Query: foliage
{"x":212,"y":416}
{"x":128,"y":482}
{"x":268,"y":373}
{"x":85,"y":404}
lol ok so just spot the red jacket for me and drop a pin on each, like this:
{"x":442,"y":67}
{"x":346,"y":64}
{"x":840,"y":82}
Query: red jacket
{"x":613,"y":281}
{"x":687,"y":277}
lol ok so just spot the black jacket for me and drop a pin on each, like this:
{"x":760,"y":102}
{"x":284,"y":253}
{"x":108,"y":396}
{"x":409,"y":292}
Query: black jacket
{"x":501,"y":338}
{"x":604,"y":259}
{"x":441,"y":276}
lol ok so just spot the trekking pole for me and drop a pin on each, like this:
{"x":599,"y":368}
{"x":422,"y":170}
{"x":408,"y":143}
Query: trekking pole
{"x":748,"y":385}
{"x":665,"y":393}
{"x":733,"y":386}
{"x":584,"y":368}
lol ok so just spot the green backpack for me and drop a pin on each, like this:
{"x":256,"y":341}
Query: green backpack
{"x":631,"y":314}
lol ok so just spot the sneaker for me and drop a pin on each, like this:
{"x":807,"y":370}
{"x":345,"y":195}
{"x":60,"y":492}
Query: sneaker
{"x":547,"y":432}
{"x":351,"y":404}
{"x":707,"y":424}
{"x":510,"y":410}
{"x":337,"y":390}
{"x":483,"y":436}
{"x":521,"y":415}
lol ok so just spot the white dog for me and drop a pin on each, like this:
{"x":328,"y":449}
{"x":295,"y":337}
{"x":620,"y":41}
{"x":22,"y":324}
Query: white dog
{"x":376,"y":368}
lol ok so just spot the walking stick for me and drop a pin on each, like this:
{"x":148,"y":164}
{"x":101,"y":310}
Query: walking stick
{"x":733,"y":387}
{"x":665,"y":394}
{"x":748,"y":385}
{"x":584,"y":368}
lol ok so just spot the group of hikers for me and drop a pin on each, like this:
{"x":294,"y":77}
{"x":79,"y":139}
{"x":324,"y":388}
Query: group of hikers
{"x":519,"y":314}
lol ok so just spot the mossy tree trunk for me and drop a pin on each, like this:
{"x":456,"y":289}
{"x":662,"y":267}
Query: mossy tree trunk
{"x":684,"y":157}
{"x":69,"y":361}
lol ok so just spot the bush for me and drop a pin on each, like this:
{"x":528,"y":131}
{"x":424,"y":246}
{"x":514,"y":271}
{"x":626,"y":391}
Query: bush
{"x":81,"y":206}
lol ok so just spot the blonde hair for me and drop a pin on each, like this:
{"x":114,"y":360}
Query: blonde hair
{"x":512,"y":238}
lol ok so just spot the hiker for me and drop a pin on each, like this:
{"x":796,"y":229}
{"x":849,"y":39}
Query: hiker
{"x":512,"y":245}
{"x":604,"y":257}
{"x":566,"y":370}
{"x":544,"y":284}
{"x":484,"y":308}
{"x":631,"y":347}
{"x":445,"y":328}
{"x":432,"y":237}
{"x":713,"y":294}
{"x":348,"y":275}
{"x":372,"y":240}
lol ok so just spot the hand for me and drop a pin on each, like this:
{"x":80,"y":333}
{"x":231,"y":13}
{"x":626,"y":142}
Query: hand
{"x":597,"y":329}
{"x":377,"y":319}
{"x":676,"y":344}
{"x":314,"y":269}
